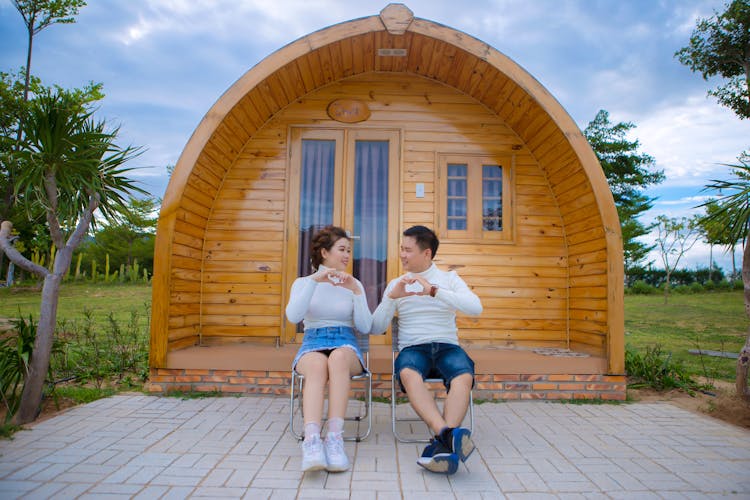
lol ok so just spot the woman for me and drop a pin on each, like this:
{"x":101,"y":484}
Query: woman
{"x":331,"y":302}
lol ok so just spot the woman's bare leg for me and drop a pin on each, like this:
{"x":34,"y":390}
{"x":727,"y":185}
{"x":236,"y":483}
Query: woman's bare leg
{"x":314,"y":367}
{"x":342,"y":364}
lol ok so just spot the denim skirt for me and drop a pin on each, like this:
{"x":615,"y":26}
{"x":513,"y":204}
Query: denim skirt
{"x":328,"y":338}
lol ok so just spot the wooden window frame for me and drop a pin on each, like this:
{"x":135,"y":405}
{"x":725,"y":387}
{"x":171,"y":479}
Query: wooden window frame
{"x":474,"y":232}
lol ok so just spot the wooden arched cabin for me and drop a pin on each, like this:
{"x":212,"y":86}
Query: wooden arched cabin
{"x":378,"y":124}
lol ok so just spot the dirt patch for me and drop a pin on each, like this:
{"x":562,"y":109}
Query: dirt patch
{"x":722,"y":403}
{"x":50,"y":408}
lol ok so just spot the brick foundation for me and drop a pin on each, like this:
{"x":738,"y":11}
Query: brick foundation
{"x":491,"y":387}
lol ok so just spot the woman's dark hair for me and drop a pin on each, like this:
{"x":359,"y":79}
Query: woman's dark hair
{"x":324,"y":240}
{"x":424,"y":237}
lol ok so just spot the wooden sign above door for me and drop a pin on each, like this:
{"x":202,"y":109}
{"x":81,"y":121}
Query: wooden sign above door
{"x":348,"y":110}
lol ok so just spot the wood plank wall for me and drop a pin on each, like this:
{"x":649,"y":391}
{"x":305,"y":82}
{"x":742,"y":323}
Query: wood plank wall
{"x":549,"y":288}
{"x":522,"y":285}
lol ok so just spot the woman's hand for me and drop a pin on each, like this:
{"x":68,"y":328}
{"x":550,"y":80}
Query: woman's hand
{"x":341,"y":278}
{"x":322,"y":275}
{"x":338,"y":278}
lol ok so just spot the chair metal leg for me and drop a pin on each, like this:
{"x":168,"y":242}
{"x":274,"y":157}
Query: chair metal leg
{"x":367,"y":415}
{"x":296,"y":404}
{"x":297,"y":380}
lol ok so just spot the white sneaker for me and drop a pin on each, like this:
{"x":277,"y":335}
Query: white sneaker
{"x":335,"y":454}
{"x":313,"y":456}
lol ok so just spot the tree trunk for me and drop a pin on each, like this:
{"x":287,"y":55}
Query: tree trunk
{"x":743,"y":362}
{"x":666,"y":286}
{"x":31,"y":397}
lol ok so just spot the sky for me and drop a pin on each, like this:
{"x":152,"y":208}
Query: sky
{"x":164,"y":63}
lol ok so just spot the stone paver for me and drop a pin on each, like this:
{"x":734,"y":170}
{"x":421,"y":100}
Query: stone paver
{"x":137,"y":446}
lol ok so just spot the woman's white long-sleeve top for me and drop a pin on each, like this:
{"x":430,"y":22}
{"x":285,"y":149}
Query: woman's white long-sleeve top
{"x":325,"y":304}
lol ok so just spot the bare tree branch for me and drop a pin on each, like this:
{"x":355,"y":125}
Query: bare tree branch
{"x":84,"y":222}
{"x":14,"y":255}
{"x":50,"y":187}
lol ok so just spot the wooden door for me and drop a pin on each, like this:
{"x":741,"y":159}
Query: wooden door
{"x":349,"y":178}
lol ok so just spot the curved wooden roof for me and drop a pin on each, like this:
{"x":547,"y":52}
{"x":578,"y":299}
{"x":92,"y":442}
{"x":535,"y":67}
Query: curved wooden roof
{"x":427,"y":49}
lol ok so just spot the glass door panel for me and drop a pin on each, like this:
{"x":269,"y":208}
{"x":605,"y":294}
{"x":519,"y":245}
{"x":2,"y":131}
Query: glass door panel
{"x":371,"y":217}
{"x":317,"y":175}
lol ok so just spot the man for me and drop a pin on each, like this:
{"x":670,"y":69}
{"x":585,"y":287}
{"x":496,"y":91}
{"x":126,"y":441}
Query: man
{"x":426,"y":300}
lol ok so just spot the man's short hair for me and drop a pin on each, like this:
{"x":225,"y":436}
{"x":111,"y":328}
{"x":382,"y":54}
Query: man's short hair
{"x":424,"y":237}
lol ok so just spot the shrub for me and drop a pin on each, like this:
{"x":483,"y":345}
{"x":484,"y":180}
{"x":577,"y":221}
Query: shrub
{"x":640,"y":287}
{"x":724,"y":286}
{"x":15,"y":354}
{"x":657,"y":370}
{"x":681,"y":289}
{"x":90,"y":352}
{"x":697,"y":287}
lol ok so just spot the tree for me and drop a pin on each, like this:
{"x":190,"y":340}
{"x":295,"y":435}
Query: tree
{"x":628,"y":172}
{"x":37,"y":15}
{"x":720,"y":45}
{"x":675,"y":237}
{"x":716,"y":233}
{"x":71,"y":167}
{"x":129,"y":239}
{"x":734,"y":213}
{"x":12,"y":107}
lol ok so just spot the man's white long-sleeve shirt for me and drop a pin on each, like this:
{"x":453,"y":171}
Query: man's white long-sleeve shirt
{"x":422,"y":318}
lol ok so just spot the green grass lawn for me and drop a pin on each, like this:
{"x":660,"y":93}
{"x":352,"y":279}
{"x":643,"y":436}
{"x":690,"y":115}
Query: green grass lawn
{"x":705,"y":321}
{"x":100,"y":299}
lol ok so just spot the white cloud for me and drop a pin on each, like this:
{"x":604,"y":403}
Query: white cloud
{"x":689,"y":200}
{"x":271,"y":21}
{"x":691,"y":141}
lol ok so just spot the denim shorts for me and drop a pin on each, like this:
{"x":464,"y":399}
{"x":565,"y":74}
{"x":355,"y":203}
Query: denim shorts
{"x":327,"y":339}
{"x":435,"y":360}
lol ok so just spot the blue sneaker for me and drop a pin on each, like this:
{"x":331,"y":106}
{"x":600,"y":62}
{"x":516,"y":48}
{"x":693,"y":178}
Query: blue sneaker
{"x":437,"y":457}
{"x":461,"y":443}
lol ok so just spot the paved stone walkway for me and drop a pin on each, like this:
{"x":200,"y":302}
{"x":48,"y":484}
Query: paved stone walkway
{"x":134,"y":446}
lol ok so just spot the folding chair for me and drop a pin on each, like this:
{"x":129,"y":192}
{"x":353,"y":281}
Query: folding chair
{"x":361,"y":383}
{"x":395,"y":420}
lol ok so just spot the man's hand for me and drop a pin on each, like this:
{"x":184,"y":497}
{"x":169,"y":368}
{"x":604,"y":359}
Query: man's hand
{"x":410,"y":285}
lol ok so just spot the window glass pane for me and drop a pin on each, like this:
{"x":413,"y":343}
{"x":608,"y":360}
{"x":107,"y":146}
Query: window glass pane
{"x":456,"y":170}
{"x":458,"y":224}
{"x":371,"y":218}
{"x":492,"y":172}
{"x":492,"y":197}
{"x":457,"y":187}
{"x":457,"y":196}
{"x":457,"y":208}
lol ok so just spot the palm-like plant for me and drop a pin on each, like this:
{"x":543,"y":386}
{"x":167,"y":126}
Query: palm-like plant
{"x":734,"y":213}
{"x":70,"y":167}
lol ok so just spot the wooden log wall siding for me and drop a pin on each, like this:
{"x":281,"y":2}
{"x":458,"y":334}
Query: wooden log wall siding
{"x":222,"y":268}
